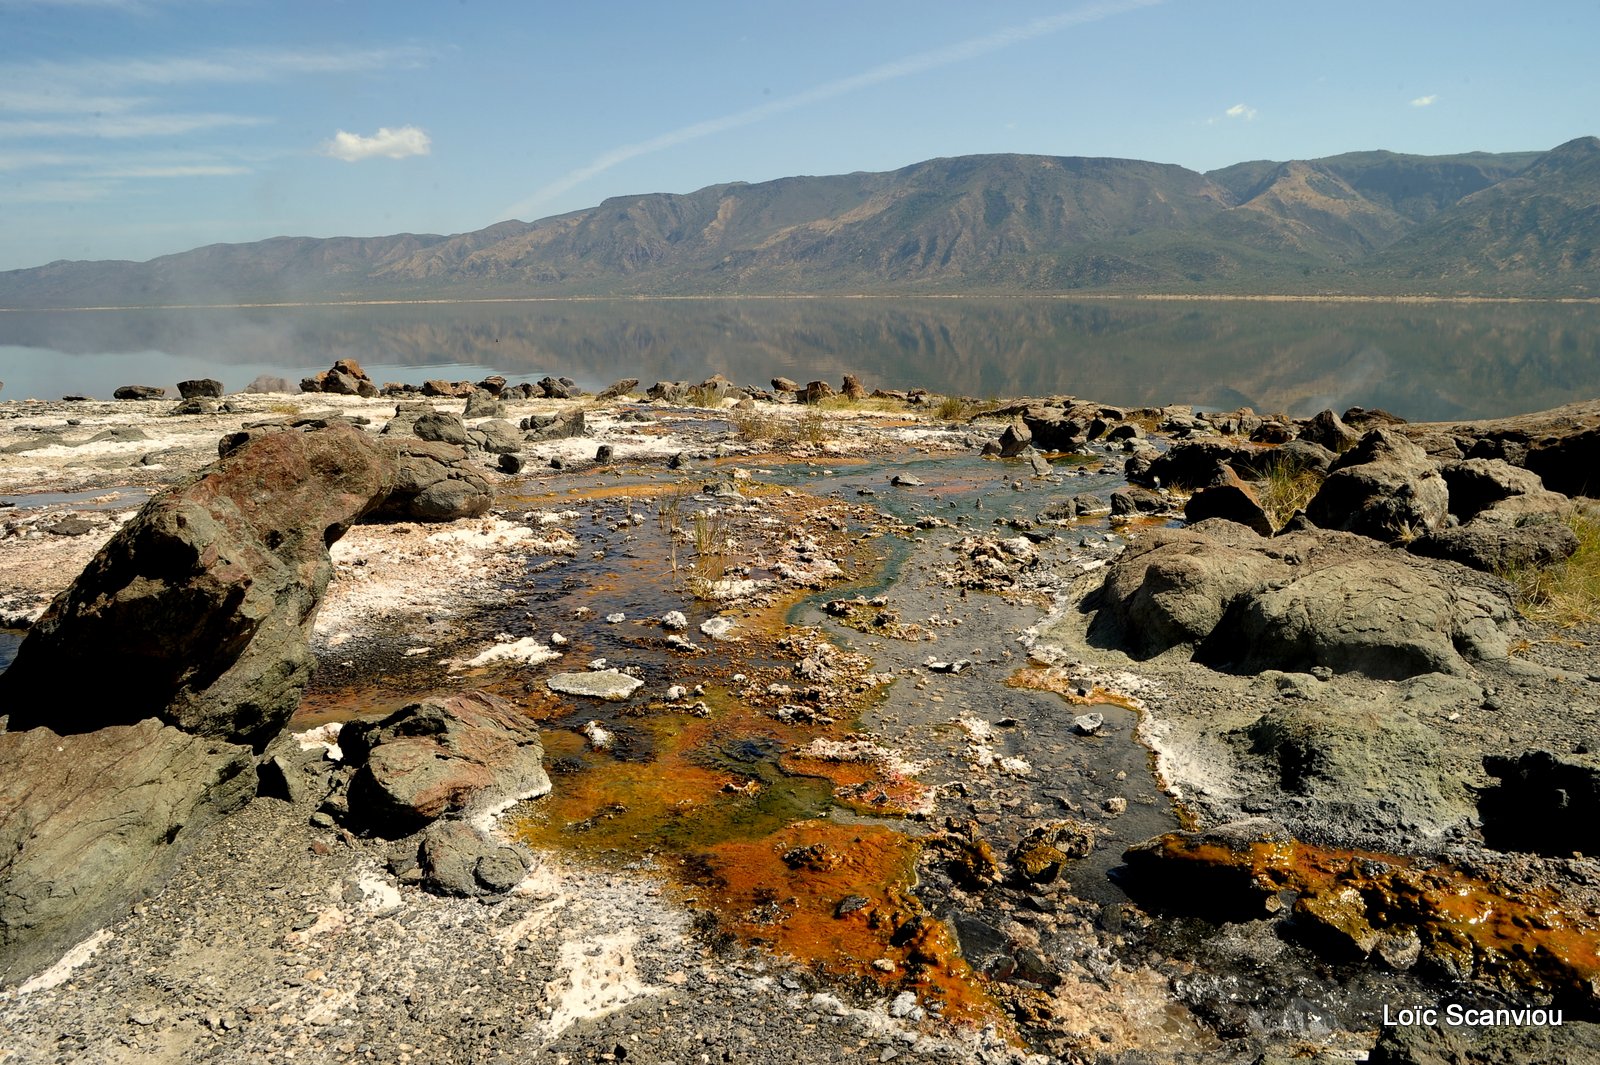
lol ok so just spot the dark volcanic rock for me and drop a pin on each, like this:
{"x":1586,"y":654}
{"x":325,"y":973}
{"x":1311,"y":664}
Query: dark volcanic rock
{"x":1133,"y":501}
{"x":198,"y":610}
{"x":482,"y":404}
{"x":1544,"y":803}
{"x":816,"y":392}
{"x":201,"y":388}
{"x":1385,"y":487}
{"x":619,"y":389}
{"x":554,"y":426}
{"x":90,"y":821}
{"x":440,"y":427}
{"x":1231,"y":499}
{"x":446,"y":755}
{"x":139,"y":392}
{"x":1494,"y":547}
{"x":1329,"y":430}
{"x":1015,"y":438}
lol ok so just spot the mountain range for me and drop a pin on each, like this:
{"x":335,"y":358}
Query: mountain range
{"x":1505,"y":224}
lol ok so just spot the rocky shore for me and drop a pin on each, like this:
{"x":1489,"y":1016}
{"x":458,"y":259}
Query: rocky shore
{"x":710,"y":722}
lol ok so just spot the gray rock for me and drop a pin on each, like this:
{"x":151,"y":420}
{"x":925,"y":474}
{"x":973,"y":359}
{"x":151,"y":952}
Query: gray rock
{"x":439,"y":427}
{"x":1385,"y":487}
{"x":139,"y":392}
{"x":497,"y":437}
{"x":554,"y":426}
{"x":90,"y":821}
{"x":609,"y":684}
{"x":457,"y":859}
{"x":482,"y":404}
{"x":432,"y":482}
{"x":1298,"y":601}
{"x":1455,"y":1044}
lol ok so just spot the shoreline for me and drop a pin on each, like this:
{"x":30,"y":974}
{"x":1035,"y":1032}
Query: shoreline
{"x":1067,"y":297}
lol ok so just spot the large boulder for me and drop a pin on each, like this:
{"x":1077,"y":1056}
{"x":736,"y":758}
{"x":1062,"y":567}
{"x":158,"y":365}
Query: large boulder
{"x":200,"y":388}
{"x":432,"y":482}
{"x":1385,"y":487}
{"x":91,"y":820}
{"x":556,"y":426}
{"x":452,"y":755}
{"x":139,"y":392}
{"x":1298,"y":601}
{"x":199,"y":610}
{"x":1508,"y":519}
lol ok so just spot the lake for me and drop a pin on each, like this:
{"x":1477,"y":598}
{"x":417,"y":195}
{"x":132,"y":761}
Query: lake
{"x":1421,"y":360}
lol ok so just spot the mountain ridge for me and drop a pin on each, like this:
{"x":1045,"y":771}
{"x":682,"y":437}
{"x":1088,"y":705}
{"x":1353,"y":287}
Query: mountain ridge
{"x":1519,"y":223}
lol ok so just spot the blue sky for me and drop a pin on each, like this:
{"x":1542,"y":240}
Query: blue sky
{"x":135,"y":128}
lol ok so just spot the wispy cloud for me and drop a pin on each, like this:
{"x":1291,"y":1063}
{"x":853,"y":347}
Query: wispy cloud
{"x":221,"y":66}
{"x":908,"y":66}
{"x":386,"y":144}
{"x":120,"y":127}
{"x":1243,"y":111}
{"x":69,"y":190}
{"x":1425,"y":101}
{"x":218,"y":170}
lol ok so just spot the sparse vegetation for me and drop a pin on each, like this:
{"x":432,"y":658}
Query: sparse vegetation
{"x":713,"y":543}
{"x":1288,"y":487}
{"x":760,"y":425}
{"x":1564,"y":593}
{"x":955,"y":408}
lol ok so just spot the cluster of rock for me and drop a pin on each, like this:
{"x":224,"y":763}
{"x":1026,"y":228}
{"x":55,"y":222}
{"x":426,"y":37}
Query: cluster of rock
{"x":1482,"y":512}
{"x":187,"y":641}
{"x":430,"y":775}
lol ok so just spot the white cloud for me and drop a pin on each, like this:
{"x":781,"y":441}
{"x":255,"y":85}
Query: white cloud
{"x":920,"y":63}
{"x":388,"y":143}
{"x":1425,"y":101}
{"x":1241,"y":111}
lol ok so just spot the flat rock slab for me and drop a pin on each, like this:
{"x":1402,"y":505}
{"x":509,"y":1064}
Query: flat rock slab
{"x":597,"y":684}
{"x":89,"y":821}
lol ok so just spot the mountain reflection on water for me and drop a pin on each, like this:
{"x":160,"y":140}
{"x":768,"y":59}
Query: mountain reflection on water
{"x":1421,"y":360}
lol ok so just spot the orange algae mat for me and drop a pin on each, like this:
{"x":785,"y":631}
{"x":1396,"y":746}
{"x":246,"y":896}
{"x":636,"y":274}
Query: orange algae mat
{"x":1528,"y":938}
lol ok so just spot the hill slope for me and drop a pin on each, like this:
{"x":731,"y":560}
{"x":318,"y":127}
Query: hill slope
{"x":1523,"y":223}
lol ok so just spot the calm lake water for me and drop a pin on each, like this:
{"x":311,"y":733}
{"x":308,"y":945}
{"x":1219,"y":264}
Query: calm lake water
{"x":1423,"y":361}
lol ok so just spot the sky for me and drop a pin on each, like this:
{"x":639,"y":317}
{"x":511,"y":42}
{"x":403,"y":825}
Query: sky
{"x":131,"y":129}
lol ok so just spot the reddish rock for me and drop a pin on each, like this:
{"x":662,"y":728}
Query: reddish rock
{"x":452,"y":754}
{"x":198,"y":611}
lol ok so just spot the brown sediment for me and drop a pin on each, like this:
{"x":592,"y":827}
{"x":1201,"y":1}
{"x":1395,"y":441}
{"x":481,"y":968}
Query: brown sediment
{"x":1528,"y":940}
{"x":1054,"y":679}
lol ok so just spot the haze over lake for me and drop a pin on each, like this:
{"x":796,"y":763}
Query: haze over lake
{"x":1419,"y":360}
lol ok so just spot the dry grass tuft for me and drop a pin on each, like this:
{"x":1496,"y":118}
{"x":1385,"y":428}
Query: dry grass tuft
{"x":1564,"y":593}
{"x":1286,"y":489}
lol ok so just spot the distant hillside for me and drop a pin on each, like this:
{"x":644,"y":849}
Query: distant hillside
{"x":1368,"y":222}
